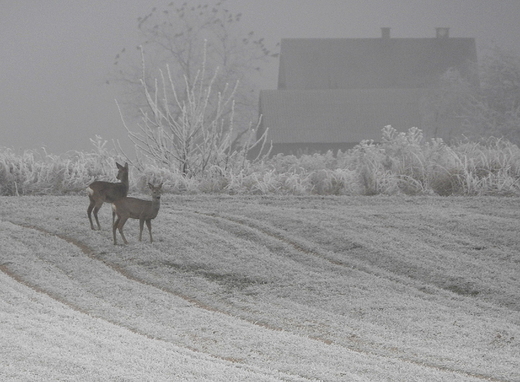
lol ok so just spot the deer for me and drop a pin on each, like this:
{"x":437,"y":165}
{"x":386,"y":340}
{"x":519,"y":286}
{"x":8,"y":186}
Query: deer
{"x":144,"y":210}
{"x":105,"y":192}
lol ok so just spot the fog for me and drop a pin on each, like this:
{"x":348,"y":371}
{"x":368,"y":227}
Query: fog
{"x":58,"y":54}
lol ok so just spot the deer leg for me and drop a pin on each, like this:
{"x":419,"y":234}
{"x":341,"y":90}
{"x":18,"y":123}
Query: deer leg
{"x":96,"y":209}
{"x":114,"y":228}
{"x":89,"y":212}
{"x":120,"y":225}
{"x":141,"y":225}
{"x":149,"y":225}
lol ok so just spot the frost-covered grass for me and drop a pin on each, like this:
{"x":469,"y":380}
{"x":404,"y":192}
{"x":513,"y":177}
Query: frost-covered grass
{"x":403,"y":163}
{"x":36,"y":172}
{"x":306,"y":288}
{"x":45,"y":340}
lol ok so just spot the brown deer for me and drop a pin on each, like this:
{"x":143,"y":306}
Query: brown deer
{"x":106,"y":192}
{"x":144,"y":210}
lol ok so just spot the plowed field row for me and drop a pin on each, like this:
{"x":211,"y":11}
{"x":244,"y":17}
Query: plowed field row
{"x":361,"y":289}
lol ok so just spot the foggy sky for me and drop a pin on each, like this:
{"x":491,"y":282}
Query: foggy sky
{"x":56,"y":55}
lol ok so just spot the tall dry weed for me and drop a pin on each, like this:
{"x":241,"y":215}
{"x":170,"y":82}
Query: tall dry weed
{"x":403,"y":163}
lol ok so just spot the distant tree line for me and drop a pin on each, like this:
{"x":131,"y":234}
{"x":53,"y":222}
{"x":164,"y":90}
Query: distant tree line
{"x":490,"y":108}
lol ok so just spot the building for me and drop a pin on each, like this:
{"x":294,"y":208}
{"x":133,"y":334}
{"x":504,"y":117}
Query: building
{"x":333,"y":93}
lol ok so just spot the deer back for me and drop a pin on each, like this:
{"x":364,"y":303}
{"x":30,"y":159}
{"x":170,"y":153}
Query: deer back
{"x":109,"y":192}
{"x":136,"y":208}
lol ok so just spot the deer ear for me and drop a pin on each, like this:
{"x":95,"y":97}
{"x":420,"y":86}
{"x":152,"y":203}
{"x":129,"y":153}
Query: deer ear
{"x":126,"y":165}
{"x":119,"y":166}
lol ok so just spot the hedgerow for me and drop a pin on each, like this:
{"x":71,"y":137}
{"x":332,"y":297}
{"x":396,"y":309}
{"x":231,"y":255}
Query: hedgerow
{"x":402,"y":163}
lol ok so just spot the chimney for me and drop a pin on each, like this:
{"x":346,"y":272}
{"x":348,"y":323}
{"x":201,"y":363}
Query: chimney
{"x":385,"y":33}
{"x":442,"y":32}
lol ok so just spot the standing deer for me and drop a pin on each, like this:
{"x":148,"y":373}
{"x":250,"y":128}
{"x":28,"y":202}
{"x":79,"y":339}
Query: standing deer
{"x":106,"y":192}
{"x":144,"y":210}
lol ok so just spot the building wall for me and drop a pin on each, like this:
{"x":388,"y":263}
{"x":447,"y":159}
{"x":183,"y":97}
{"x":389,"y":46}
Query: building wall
{"x":334,"y":116}
{"x":334,"y":93}
{"x":371,"y":63}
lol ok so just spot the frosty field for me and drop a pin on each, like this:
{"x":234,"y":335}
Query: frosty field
{"x":263,"y":288}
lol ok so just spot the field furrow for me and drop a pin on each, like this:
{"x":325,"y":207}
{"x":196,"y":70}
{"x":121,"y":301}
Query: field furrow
{"x":291,"y":288}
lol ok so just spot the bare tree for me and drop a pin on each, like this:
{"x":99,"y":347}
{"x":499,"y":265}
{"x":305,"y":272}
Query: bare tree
{"x":488,"y":109}
{"x":191,"y":130}
{"x":175,"y":36}
{"x":497,"y":110}
{"x":446,"y":104}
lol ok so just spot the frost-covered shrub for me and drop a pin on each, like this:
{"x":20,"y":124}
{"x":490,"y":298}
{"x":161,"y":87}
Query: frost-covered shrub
{"x":36,"y":172}
{"x":403,"y":163}
{"x":406,"y":163}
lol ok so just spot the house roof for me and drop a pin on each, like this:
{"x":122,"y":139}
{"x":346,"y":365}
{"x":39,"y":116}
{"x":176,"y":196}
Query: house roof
{"x":370,"y":63}
{"x":339,"y":115}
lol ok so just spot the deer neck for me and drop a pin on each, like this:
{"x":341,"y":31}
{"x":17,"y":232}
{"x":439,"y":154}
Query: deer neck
{"x":124,"y":182}
{"x":156,"y":204}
